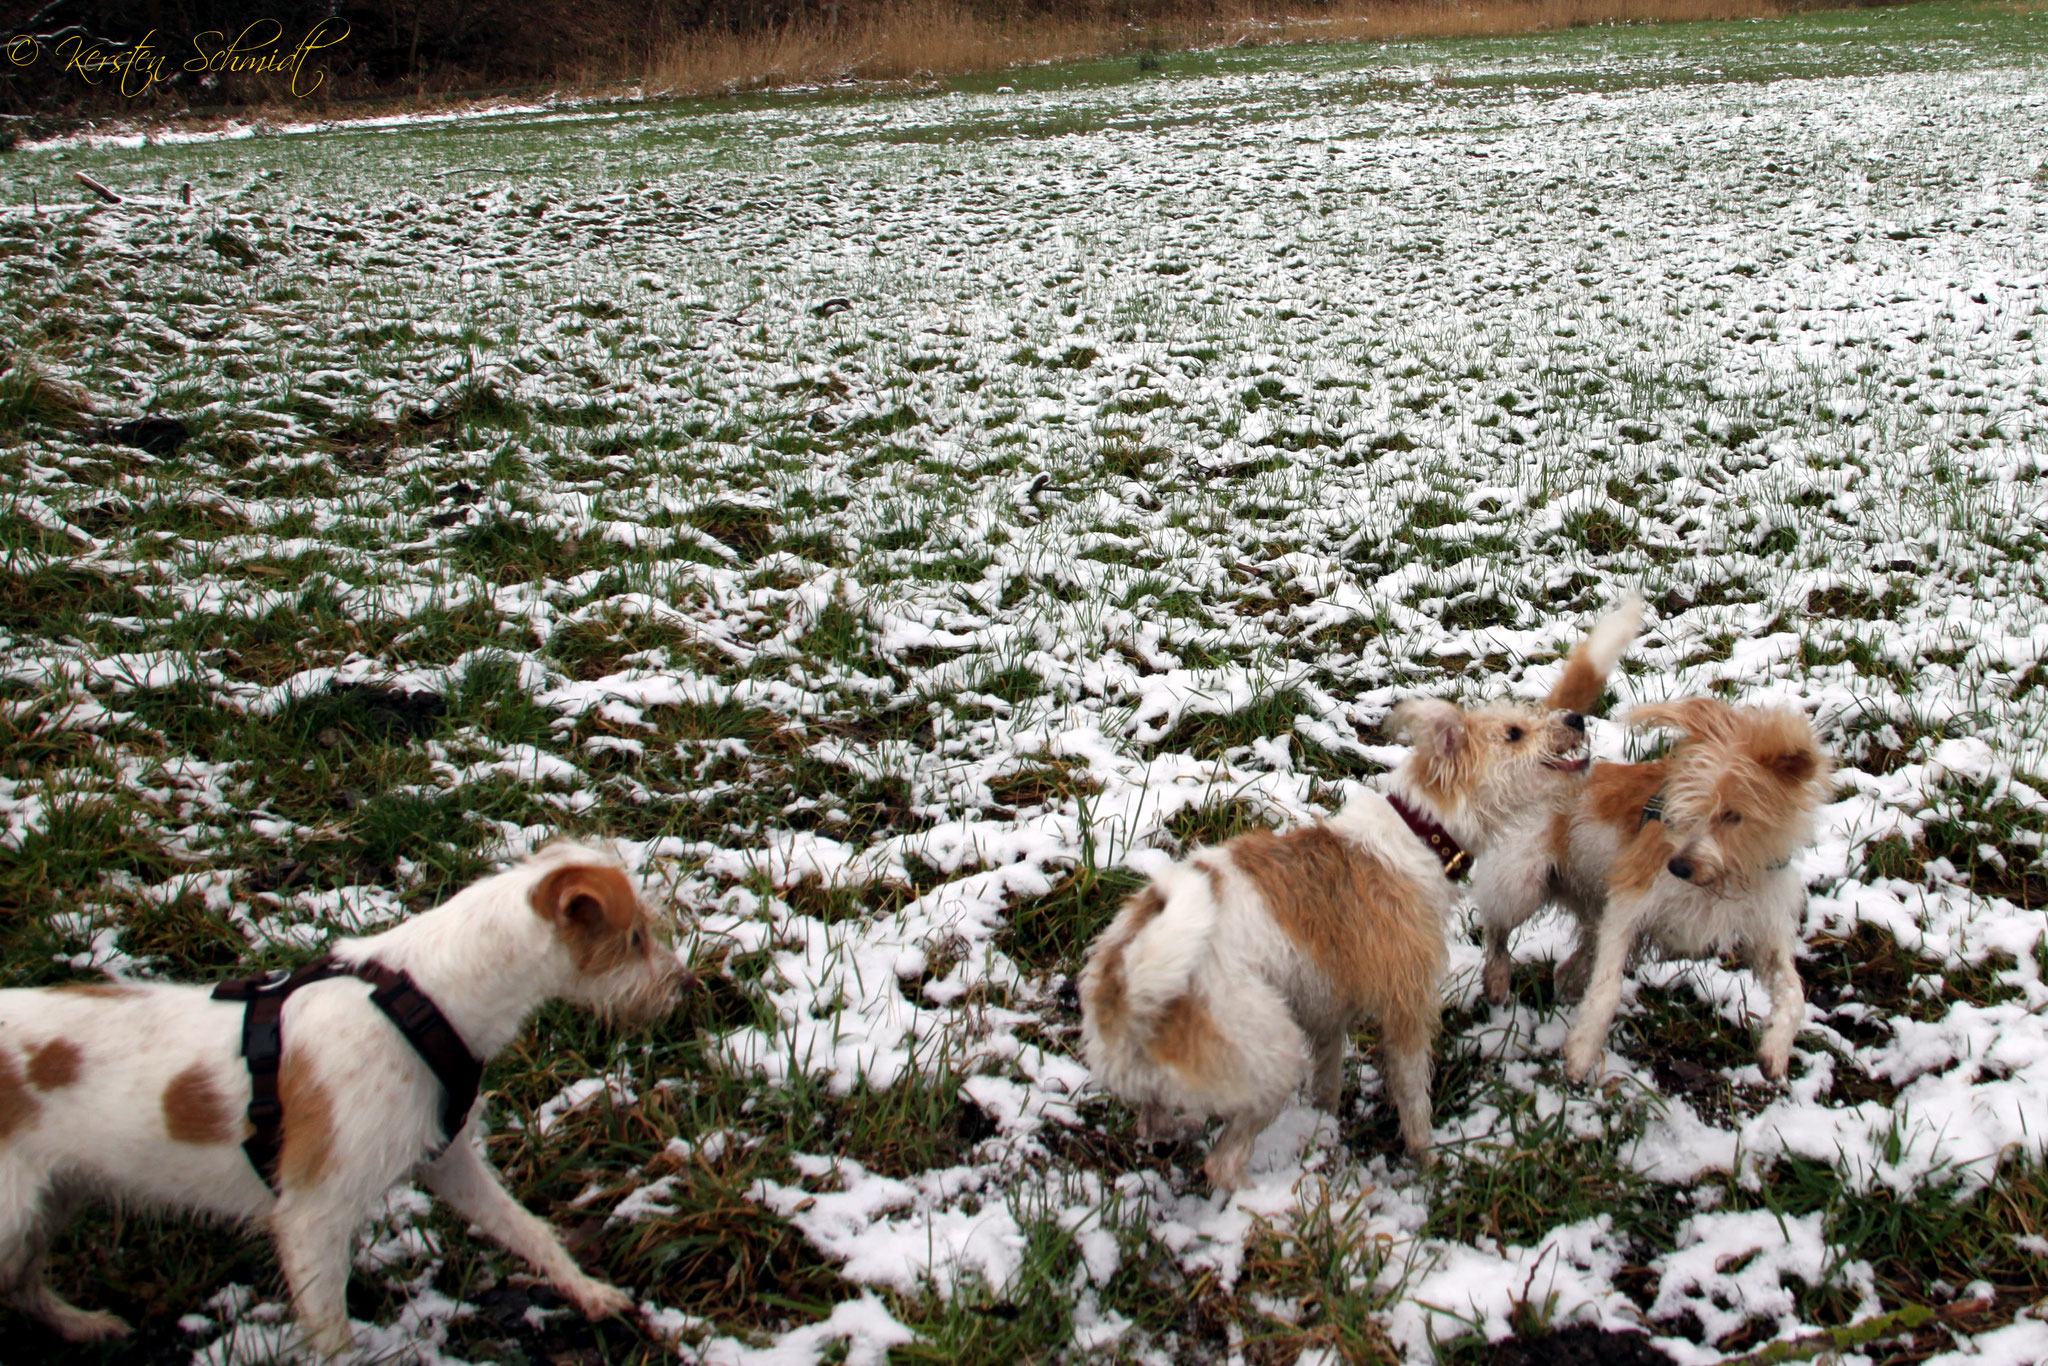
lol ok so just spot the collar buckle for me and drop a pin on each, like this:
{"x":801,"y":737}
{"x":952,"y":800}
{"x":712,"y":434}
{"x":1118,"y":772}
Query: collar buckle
{"x":1455,"y":858}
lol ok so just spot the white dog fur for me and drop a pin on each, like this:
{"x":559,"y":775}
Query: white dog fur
{"x":138,"y":1093}
{"x":1241,"y":971}
{"x":1710,"y":870}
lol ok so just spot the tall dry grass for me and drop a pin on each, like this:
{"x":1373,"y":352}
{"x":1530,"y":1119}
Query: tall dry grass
{"x":913,"y":39}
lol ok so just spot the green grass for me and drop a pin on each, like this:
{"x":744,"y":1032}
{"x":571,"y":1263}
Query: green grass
{"x":531,"y":406}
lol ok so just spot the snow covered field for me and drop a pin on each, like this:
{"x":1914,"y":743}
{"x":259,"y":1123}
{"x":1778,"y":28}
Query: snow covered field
{"x":904,"y":522}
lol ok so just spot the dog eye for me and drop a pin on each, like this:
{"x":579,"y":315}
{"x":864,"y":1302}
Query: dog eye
{"x":1514,"y":734}
{"x":1731,"y":818}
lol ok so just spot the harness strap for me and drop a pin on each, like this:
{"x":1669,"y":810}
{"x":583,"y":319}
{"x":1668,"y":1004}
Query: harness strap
{"x":433,"y":1038}
{"x":408,"y":1008}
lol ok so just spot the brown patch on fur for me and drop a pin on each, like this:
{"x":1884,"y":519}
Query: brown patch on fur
{"x":1781,"y":742}
{"x":1580,"y":687}
{"x":18,"y":1104}
{"x":595,"y":911}
{"x":1375,"y":937}
{"x":1641,"y":861}
{"x":54,"y":1065}
{"x":1617,"y":793}
{"x":1146,"y":907}
{"x":109,"y":991}
{"x":1792,"y":766}
{"x":1557,"y":838}
{"x":1107,"y":1001}
{"x":1187,"y":1040}
{"x":308,"y":1152}
{"x":1697,"y":716}
{"x":1443,"y":742}
{"x":195,"y":1110}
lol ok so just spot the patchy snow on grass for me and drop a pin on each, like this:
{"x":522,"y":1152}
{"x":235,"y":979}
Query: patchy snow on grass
{"x":905,"y":523}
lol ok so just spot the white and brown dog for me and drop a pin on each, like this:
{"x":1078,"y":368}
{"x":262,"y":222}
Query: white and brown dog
{"x":140,"y":1093}
{"x":1241,"y":971}
{"x":1685,"y":856}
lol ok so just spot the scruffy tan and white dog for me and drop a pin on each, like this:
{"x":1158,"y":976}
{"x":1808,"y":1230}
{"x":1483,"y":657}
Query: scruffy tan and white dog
{"x":1241,"y":971}
{"x":1685,"y":856}
{"x":139,"y":1092}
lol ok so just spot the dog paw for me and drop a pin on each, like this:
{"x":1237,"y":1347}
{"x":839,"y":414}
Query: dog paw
{"x":1227,"y":1175}
{"x":88,"y":1325}
{"x":331,"y":1340}
{"x":1582,"y":1059}
{"x":1775,"y":1062}
{"x":596,"y":1300}
{"x":1499,"y":971}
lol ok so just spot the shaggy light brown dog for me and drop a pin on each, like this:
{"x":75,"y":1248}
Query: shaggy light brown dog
{"x":1242,"y":970}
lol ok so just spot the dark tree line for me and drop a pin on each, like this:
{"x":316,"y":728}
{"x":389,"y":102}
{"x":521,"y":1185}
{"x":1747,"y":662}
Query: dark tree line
{"x":398,"y":47}
{"x":408,"y":47}
{"x":391,"y":45}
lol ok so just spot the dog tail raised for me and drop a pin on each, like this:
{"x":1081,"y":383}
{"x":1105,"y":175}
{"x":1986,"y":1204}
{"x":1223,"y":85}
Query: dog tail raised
{"x":1161,"y":959}
{"x":1148,"y":957}
{"x":1585,"y":673}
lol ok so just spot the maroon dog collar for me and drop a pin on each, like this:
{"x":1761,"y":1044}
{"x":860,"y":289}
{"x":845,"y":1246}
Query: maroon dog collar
{"x":1449,"y":852}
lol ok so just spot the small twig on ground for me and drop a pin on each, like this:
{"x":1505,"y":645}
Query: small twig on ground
{"x":102,"y":191}
{"x":1904,"y":1319}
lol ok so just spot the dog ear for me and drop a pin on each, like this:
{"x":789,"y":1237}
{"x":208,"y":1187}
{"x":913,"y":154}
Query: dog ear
{"x":1435,"y":729}
{"x":1784,"y":744}
{"x":1696,"y":716}
{"x":586,"y":900}
{"x":1793,"y":765}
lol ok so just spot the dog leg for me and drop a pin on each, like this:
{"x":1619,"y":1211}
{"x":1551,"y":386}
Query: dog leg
{"x":1228,"y":1160}
{"x":26,"y":1225}
{"x":1509,"y":885}
{"x":1409,"y":1035}
{"x":1327,"y":1088}
{"x":1773,"y":962}
{"x":1568,"y":977}
{"x":35,"y":1298}
{"x":1587,"y":1041}
{"x":1570,"y":974}
{"x":1159,"y":1124}
{"x":1500,"y":965}
{"x":462,"y":1178}
{"x":313,"y":1237}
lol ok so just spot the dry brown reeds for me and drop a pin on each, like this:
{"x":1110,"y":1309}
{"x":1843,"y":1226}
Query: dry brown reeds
{"x":899,"y":40}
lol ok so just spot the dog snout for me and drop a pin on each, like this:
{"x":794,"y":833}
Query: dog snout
{"x":675,"y":981}
{"x":1681,"y":868}
{"x":1574,"y":721}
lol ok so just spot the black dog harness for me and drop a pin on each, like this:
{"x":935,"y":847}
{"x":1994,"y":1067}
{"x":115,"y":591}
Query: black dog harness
{"x":1653,"y":810}
{"x":409,"y":1008}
